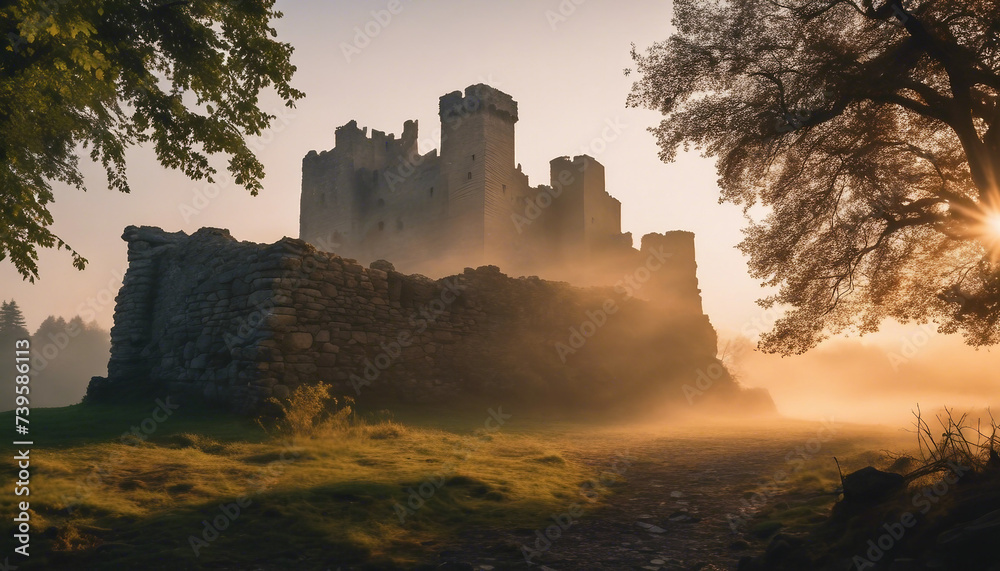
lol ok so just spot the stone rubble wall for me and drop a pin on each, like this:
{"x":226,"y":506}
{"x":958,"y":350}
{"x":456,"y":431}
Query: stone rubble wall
{"x":208,"y":317}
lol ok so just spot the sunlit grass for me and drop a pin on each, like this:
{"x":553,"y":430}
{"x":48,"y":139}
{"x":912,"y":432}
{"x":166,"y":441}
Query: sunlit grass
{"x":328,"y":499}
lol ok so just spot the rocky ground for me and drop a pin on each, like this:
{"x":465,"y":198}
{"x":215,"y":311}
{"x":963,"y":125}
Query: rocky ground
{"x":669,"y":510}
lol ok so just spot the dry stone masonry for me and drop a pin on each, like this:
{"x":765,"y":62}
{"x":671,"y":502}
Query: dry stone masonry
{"x":208,"y":317}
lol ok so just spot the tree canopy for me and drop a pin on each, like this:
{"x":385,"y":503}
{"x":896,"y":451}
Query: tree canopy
{"x":100,"y":76}
{"x":868,"y":132}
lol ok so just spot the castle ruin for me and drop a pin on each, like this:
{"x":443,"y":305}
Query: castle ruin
{"x":376,"y":197}
{"x":207,"y":317}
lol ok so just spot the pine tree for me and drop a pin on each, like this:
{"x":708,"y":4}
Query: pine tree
{"x":12,"y":320}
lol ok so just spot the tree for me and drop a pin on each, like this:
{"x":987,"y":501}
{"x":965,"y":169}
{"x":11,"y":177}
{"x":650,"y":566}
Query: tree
{"x":12,"y":322}
{"x":868,"y":132}
{"x":64,"y":357}
{"x":105,"y":75}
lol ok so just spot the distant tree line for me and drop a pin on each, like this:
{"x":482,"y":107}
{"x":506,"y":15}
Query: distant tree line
{"x":64,"y":355}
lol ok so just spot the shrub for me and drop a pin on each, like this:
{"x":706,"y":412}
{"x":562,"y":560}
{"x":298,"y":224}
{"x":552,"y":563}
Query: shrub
{"x":311,"y":411}
{"x":960,"y":442}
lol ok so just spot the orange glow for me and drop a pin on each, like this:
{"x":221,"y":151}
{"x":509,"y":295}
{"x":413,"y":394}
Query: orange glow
{"x":992,"y":223}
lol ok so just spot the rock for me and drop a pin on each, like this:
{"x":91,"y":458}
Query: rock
{"x":871,"y":485}
{"x":650,"y":527}
{"x":274,"y":320}
{"x":152,"y":235}
{"x":383,"y":265}
{"x":298,"y":341}
{"x":683,"y":516}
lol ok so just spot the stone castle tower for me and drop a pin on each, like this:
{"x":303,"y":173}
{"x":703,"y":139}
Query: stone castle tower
{"x":374,"y":196}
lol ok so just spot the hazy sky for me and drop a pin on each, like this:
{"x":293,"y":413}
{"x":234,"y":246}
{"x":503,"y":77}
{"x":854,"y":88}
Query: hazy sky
{"x":562,"y":61}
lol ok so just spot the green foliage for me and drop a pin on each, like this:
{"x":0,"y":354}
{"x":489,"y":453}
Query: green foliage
{"x":105,"y":75}
{"x":868,"y":133}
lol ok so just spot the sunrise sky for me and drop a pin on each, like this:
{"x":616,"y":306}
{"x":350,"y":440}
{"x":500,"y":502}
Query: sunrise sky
{"x":563,"y":63}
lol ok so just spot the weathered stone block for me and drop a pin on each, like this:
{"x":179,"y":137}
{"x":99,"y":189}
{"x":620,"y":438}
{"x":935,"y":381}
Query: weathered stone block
{"x":298,"y":341}
{"x":276,"y":320}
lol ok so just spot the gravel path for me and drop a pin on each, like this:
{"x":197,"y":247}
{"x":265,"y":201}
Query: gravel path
{"x":668,"y":511}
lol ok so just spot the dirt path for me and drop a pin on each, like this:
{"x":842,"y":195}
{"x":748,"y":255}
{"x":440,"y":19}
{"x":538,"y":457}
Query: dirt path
{"x":668,"y":512}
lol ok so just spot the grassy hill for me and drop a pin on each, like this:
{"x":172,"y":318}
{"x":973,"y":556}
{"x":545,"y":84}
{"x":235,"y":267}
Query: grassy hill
{"x":205,"y":490}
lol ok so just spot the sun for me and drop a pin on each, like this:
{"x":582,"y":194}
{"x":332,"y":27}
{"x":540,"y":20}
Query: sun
{"x":988,"y":229}
{"x":992,"y":223}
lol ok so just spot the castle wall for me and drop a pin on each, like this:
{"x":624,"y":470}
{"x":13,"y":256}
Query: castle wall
{"x":207,"y":317}
{"x":602,"y":213}
{"x":565,"y":216}
{"x":375,"y":197}
{"x":675,"y":288}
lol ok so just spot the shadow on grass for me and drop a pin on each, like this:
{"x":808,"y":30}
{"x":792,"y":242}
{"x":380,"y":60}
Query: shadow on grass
{"x":344,"y":524}
{"x":86,"y":423}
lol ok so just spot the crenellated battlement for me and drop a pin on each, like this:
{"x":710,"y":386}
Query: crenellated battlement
{"x":477,"y":98}
{"x":350,"y":138}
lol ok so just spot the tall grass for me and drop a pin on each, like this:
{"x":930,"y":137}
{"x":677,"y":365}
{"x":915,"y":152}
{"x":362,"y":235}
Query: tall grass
{"x":311,"y":411}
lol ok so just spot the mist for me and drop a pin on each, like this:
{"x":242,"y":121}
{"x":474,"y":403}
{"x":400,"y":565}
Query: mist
{"x":872,"y":380}
{"x":64,"y":356}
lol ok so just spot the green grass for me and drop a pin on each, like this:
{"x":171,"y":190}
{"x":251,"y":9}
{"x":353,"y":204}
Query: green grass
{"x":329,"y":500}
{"x":808,"y":491}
